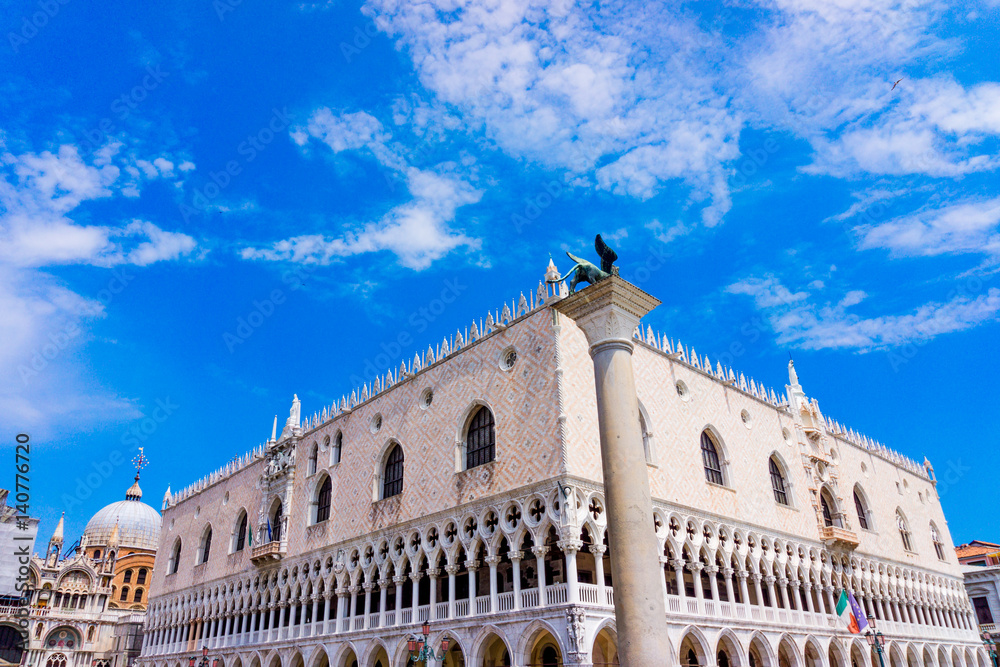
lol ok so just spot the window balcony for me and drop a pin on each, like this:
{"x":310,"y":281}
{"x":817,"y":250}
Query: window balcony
{"x":835,"y":536}
{"x":267,"y":552}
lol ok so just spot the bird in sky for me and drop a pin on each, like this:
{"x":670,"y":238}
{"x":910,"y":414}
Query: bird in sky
{"x":894,"y":85}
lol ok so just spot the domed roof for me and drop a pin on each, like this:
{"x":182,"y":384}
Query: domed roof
{"x":138,"y":523}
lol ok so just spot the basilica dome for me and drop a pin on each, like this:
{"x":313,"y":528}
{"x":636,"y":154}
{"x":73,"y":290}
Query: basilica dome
{"x":138,"y":523}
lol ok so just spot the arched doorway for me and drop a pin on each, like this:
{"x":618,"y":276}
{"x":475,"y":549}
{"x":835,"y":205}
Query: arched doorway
{"x":495,"y":653}
{"x":787,"y":656}
{"x":350,"y":659}
{"x":11,"y":647}
{"x":544,"y":651}
{"x":757,"y":653}
{"x":605,"y":651}
{"x":728,"y":652}
{"x":455,"y":657}
{"x":380,"y":658}
{"x":692,"y":652}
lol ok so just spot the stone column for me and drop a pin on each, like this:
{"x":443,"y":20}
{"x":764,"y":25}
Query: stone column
{"x":678,"y":565}
{"x":493,"y":561}
{"x":341,"y":611}
{"x":830,"y":604}
{"x":695,"y":569}
{"x":783,"y":584}
{"x":354,"y":606}
{"x":329,"y":596}
{"x":797,"y":587}
{"x":809,"y":596}
{"x":415,"y":586}
{"x":315,"y":611}
{"x":771,"y":593}
{"x":664,"y":561}
{"x":433,"y":573}
{"x":540,"y":567}
{"x":570,"y":547}
{"x":608,"y":312}
{"x":713,"y":582}
{"x":727,"y":573}
{"x":272,"y":609}
{"x":366,"y":622}
{"x":383,"y":595}
{"x":515,"y":559}
{"x":399,"y":580}
{"x":744,"y":589}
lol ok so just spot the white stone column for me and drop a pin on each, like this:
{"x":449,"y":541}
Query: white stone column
{"x":678,"y":564}
{"x":354,"y":606}
{"x":831,"y":605}
{"x":771,"y":593}
{"x":727,"y":573}
{"x":540,"y":567}
{"x":664,"y":561}
{"x":570,"y":547}
{"x":472,"y":566}
{"x":608,"y":312}
{"x":399,"y":580}
{"x":451,"y":571}
{"x":415,"y":602}
{"x":809,"y":596}
{"x":744,"y":589}
{"x":713,"y":582}
{"x":699,"y":592}
{"x":783,"y":586}
{"x":342,"y":602}
{"x":433,"y":573}
{"x":383,"y":596}
{"x":493,"y":561}
{"x":515,"y":559}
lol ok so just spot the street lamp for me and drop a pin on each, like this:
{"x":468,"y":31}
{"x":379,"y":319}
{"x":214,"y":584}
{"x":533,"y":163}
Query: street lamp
{"x":876,"y":639}
{"x":421,"y":652}
{"x":991,"y":646}
{"x":204,"y":659}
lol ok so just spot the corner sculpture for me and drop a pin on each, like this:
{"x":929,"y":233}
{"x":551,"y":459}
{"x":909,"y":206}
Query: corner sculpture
{"x":588,"y":272}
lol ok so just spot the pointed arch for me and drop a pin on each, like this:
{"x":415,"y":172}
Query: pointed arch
{"x":238,"y":537}
{"x":862,"y":509}
{"x":781,"y":484}
{"x":714,"y":457}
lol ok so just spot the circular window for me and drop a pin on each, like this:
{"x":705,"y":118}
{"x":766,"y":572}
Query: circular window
{"x":833,"y":454}
{"x":508,"y":358}
{"x":787,"y":435}
{"x":426,"y":398}
{"x":376,"y":422}
{"x":682,"y":391}
{"x":746,"y":418}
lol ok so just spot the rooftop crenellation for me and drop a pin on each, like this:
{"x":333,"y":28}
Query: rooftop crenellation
{"x":499,"y":319}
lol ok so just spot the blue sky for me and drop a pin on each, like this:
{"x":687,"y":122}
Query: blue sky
{"x":169,"y":169}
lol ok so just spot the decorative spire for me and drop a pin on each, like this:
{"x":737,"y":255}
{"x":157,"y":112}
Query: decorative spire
{"x":551,"y":272}
{"x":167,"y":498}
{"x":57,"y":535}
{"x":274,"y":429}
{"x":140,"y":462}
{"x":793,"y":377}
{"x":113,"y":540}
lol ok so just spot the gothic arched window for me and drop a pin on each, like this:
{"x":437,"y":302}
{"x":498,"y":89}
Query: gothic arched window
{"x":175,"y":558}
{"x":138,"y":595}
{"x":777,"y":482}
{"x":392,"y":478}
{"x":338,"y":446}
{"x":862,"y":510}
{"x":128,"y":576}
{"x":827,"y":514}
{"x":313,"y":459}
{"x":241,"y":532}
{"x":141,"y":579}
{"x":323,"y":501}
{"x":276,"y":518}
{"x":904,"y":530}
{"x":936,"y":539}
{"x":480,"y":441}
{"x":206,"y":545}
{"x":56,"y":660}
{"x":124,"y":595}
{"x":645,"y":438}
{"x":710,"y":459}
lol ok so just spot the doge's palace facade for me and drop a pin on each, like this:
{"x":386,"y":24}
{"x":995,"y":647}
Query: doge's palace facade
{"x":465,"y":490}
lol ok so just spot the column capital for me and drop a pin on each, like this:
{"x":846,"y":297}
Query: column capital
{"x":770,"y":579}
{"x":472,"y":565}
{"x":828,"y":589}
{"x":711,"y":569}
{"x":434,"y":572}
{"x":539,"y":551}
{"x":416,"y":575}
{"x":782,"y":581}
{"x":607,"y":311}
{"x":450,"y":569}
{"x":343,"y":591}
{"x":401,"y":578}
{"x":382,"y":583}
{"x":515,"y":555}
{"x":570,"y":544}
{"x":727,"y":572}
{"x":677,"y":564}
{"x":696,"y":566}
{"x":492,"y":561}
{"x":354,"y":590}
{"x":742,"y":574}
{"x":598,"y":550}
{"x":368,"y":586}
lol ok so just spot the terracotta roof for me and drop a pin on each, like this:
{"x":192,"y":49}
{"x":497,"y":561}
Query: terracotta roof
{"x":976,"y":548}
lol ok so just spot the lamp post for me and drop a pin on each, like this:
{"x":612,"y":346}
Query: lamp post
{"x":991,"y":646}
{"x":876,"y":639}
{"x":420,"y":651}
{"x":204,"y":659}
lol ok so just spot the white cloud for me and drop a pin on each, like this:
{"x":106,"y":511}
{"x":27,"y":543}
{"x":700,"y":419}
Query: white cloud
{"x":593,"y":91}
{"x":417,"y":232}
{"x":801,"y":322}
{"x":968,"y":226}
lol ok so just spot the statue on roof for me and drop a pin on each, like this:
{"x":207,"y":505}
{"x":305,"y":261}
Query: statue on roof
{"x":585,"y":271}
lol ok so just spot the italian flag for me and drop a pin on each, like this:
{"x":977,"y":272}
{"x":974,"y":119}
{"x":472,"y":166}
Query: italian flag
{"x":850,"y":613}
